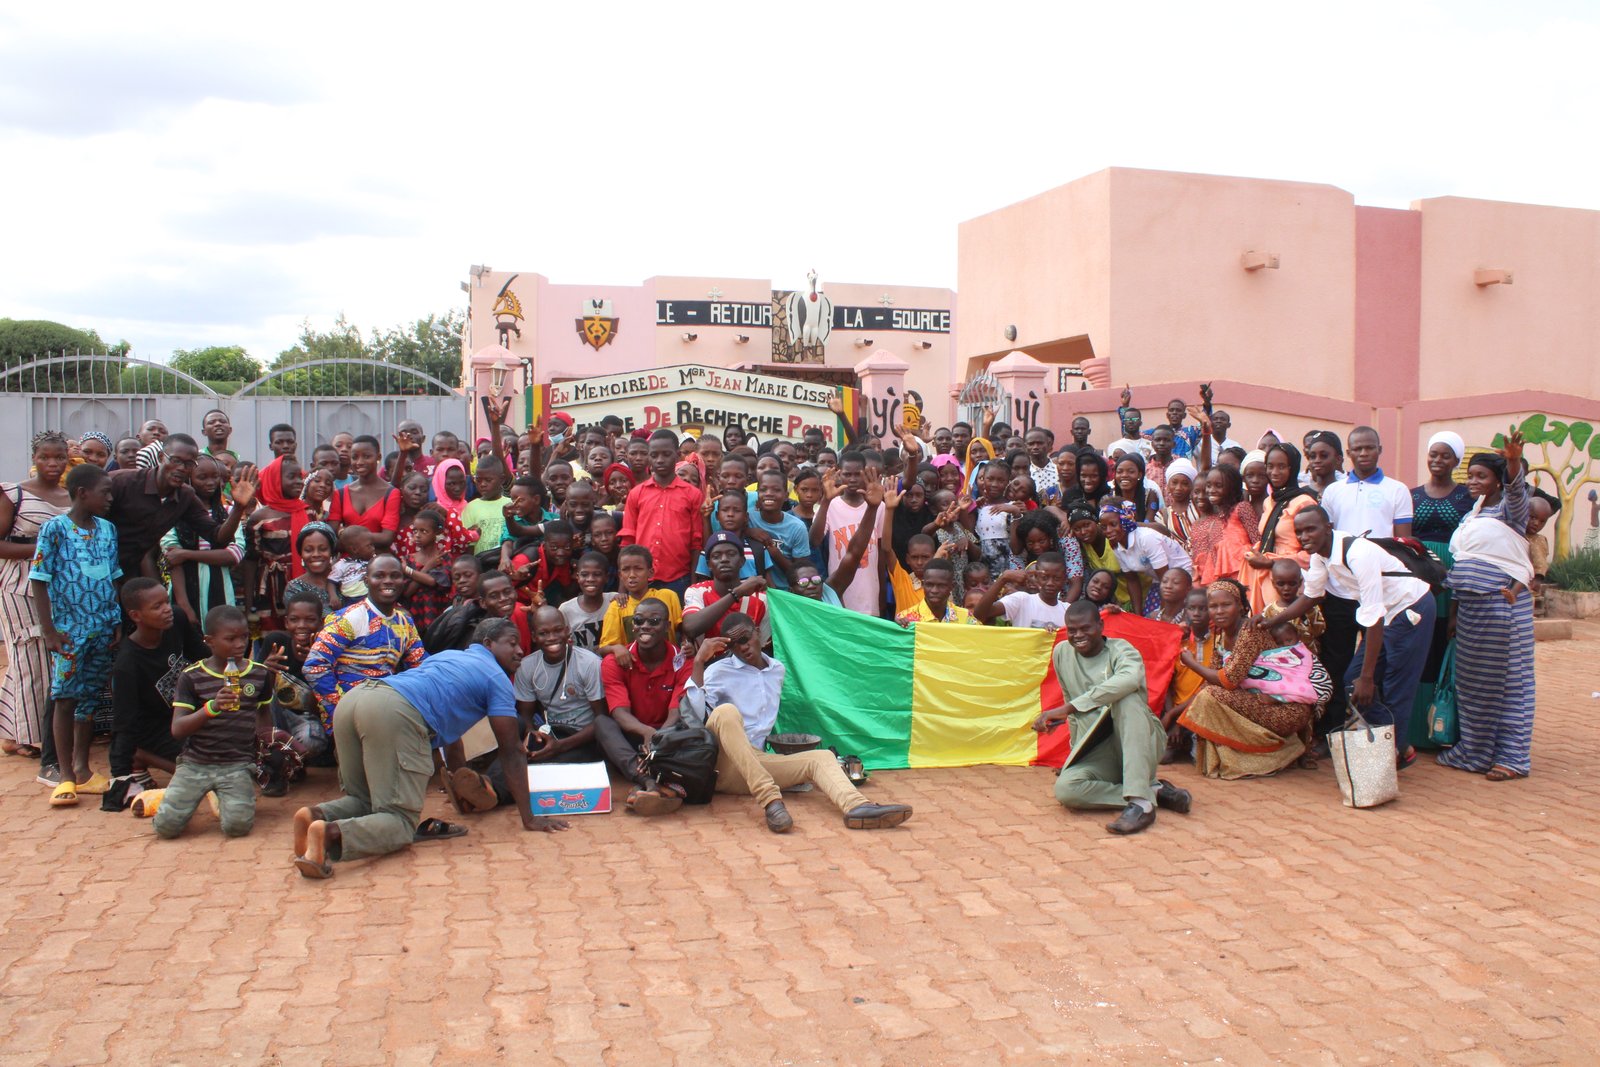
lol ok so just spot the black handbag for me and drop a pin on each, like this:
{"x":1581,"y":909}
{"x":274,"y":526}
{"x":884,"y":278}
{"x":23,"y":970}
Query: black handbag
{"x":685,"y":756}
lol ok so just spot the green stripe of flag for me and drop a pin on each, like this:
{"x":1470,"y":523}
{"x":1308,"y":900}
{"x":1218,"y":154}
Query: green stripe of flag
{"x":848,"y":678}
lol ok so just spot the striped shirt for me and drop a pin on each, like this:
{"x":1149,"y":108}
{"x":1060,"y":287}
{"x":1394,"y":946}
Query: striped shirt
{"x":358,"y":644}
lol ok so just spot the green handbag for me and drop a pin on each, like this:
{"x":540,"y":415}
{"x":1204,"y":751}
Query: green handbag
{"x":1442,"y":729}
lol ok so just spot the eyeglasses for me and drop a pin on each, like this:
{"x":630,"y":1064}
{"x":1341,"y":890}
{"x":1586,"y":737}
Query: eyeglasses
{"x":808,"y":583}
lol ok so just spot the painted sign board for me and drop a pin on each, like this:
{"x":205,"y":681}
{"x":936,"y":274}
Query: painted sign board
{"x":693,"y":396}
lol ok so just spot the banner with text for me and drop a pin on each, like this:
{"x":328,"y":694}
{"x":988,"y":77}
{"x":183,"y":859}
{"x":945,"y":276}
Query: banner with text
{"x":700,"y":397}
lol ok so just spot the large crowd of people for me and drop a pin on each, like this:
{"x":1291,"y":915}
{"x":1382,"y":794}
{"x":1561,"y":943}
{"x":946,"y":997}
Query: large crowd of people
{"x":363,"y":604}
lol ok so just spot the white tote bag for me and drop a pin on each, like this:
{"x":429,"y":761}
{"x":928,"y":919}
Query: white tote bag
{"x":1364,"y":762}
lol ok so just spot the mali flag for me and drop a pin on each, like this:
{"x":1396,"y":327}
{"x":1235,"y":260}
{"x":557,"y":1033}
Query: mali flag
{"x":938,"y":694}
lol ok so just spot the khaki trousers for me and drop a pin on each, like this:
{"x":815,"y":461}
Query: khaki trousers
{"x":385,"y":761}
{"x":1118,"y":768}
{"x":743,"y":771}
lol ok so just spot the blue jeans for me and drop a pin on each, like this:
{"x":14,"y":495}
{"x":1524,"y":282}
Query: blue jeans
{"x":1400,"y":663}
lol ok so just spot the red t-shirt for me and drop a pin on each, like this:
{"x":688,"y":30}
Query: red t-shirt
{"x":648,"y":694}
{"x":701,"y":595}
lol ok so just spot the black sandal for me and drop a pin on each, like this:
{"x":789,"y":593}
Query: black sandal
{"x":437,"y":830}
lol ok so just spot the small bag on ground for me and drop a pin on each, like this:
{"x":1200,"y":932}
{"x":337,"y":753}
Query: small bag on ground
{"x":685,"y":756}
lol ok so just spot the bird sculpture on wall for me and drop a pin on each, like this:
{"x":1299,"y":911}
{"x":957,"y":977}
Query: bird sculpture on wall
{"x":810,"y":317}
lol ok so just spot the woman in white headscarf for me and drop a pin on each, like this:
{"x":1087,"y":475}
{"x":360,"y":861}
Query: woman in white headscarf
{"x":1437,"y":507}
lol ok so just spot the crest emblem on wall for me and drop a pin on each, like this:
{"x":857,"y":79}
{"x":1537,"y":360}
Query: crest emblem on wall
{"x":597,"y":326}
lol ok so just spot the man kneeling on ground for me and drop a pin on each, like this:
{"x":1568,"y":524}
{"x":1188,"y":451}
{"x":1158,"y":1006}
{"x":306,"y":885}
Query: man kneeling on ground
{"x":1113,"y":761}
{"x":386,"y":732}
{"x":742,"y":689}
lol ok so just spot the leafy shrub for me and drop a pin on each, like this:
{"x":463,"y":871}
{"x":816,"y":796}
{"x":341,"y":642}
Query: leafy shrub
{"x":1579,"y":572}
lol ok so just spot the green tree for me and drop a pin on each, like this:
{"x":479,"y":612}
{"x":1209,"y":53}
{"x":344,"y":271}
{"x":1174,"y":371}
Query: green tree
{"x":219,"y":363}
{"x":431,"y":345}
{"x":22,"y":340}
{"x":1567,"y":451}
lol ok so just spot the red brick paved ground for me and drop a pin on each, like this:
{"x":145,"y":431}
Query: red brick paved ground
{"x":1457,"y":926}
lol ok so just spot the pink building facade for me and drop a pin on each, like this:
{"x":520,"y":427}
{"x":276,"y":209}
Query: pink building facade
{"x":566,"y":334}
{"x":1305,"y":311}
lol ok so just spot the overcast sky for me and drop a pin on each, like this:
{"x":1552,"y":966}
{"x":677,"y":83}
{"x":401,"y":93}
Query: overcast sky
{"x":217,"y":174}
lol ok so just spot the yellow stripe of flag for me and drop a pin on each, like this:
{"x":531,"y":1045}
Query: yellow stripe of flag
{"x":961,"y":716}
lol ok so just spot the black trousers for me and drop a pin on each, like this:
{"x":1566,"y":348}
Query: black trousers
{"x":1338,"y":650}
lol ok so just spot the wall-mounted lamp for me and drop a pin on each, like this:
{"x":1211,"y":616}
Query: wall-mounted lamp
{"x":1258,"y":260}
{"x":497,"y":376}
{"x":1481,"y":278}
{"x":1011,"y":333}
{"x":863,"y":342}
{"x":478,"y":271}
{"x":924,"y":345}
{"x":741,"y":338}
{"x":688,"y":337}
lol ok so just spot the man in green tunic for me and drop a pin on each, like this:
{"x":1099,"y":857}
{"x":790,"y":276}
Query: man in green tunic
{"x":1116,"y":742}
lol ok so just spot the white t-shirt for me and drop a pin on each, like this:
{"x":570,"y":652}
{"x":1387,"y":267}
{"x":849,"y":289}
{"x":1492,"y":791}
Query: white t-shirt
{"x":843,"y":521}
{"x":1144,"y":552}
{"x":1028,"y":611}
{"x":585,"y":626}
{"x":1372,"y":506}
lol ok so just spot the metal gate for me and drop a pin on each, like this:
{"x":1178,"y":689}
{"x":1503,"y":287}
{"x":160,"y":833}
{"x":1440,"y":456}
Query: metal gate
{"x":115,"y":395}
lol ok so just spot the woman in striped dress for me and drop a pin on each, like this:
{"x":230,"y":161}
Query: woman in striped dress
{"x":24,"y":507}
{"x":1493,"y":611}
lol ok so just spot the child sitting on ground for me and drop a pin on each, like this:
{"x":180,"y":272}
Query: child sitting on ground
{"x":144,"y":679}
{"x":350,"y":572}
{"x":222,"y":705}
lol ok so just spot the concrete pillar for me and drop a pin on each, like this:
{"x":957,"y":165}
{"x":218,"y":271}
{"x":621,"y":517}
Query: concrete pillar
{"x":1023,"y":378}
{"x":883,"y":390}
{"x":489,"y":363}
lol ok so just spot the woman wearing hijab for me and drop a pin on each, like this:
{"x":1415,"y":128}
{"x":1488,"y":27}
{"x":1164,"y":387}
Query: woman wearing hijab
{"x":979,"y":451}
{"x":1324,"y":459}
{"x":1493,"y":612}
{"x":618,"y":482}
{"x":1438,"y":507}
{"x":1276,"y":530}
{"x":95,"y":447}
{"x":450,"y":493}
{"x":272,"y":532}
{"x":1181,"y":513}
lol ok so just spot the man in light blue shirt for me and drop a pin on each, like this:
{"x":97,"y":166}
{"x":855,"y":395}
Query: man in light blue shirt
{"x":742,"y":690}
{"x":386,"y":732}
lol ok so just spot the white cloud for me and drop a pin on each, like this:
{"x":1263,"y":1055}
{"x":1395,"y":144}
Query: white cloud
{"x":193,"y":175}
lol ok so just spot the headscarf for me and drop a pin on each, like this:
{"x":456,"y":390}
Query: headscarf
{"x":1078,"y":512}
{"x":270,"y":491}
{"x":1451,"y":440}
{"x":440,"y":494}
{"x":1329,"y":438}
{"x":972,"y":465}
{"x":1184,"y":467}
{"x":1255,"y":455}
{"x":615,"y":468}
{"x":1494,"y":461}
{"x":106,"y":440}
{"x":317,"y":526}
{"x":1281,"y":498}
{"x":945,"y":459}
{"x":1122,"y":511}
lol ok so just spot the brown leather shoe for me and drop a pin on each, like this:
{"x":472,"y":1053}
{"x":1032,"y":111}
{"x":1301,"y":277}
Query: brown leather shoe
{"x":876,"y":816}
{"x":779,"y":821}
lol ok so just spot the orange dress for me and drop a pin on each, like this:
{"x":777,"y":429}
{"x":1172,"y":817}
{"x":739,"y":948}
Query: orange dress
{"x":1217,"y":547}
{"x":1258,"y":580}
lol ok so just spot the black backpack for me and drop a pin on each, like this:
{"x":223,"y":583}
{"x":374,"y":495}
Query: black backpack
{"x":685,"y":756}
{"x":1417,"y":558}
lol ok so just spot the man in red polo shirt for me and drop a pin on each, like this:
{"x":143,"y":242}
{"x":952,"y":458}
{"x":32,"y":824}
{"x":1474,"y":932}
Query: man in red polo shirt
{"x":663,"y":514}
{"x":642,"y":699}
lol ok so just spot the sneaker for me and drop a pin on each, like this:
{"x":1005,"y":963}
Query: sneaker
{"x":49,"y":776}
{"x":144,"y":779}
